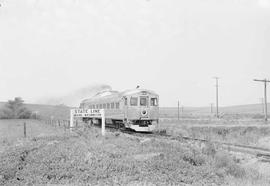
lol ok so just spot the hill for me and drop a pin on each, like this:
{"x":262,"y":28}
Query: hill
{"x":46,"y":111}
{"x":250,"y":109}
{"x":62,"y":111}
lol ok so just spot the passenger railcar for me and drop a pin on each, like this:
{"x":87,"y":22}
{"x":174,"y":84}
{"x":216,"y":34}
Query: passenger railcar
{"x":135,"y":109}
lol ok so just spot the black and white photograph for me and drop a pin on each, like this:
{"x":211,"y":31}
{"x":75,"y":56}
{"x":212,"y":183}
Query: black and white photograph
{"x":135,"y":92}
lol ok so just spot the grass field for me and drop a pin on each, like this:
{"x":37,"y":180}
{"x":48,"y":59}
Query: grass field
{"x":51,"y":155}
{"x":14,"y":129}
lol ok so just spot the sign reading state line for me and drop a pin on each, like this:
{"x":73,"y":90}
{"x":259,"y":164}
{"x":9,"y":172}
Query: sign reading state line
{"x":86,"y":112}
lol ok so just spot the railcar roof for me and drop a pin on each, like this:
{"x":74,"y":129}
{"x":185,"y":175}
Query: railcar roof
{"x":135,"y":91}
{"x":116,"y":94}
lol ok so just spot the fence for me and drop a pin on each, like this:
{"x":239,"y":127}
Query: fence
{"x":64,"y":123}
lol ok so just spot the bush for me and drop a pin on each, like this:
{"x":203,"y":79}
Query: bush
{"x":14,"y":109}
{"x":209,"y":149}
{"x":225,"y":163}
{"x":194,"y":158}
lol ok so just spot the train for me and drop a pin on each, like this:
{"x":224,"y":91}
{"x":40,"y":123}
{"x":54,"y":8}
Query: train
{"x":135,"y":109}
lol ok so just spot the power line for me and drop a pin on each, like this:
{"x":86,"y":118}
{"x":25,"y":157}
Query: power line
{"x":265,"y":81}
{"x":217,"y":112}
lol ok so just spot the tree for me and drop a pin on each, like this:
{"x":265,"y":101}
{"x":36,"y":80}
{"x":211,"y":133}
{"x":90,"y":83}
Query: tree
{"x":14,"y":109}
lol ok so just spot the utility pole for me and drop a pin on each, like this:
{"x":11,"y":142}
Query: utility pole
{"x":36,"y":112}
{"x":265,"y":81}
{"x":216,"y":95}
{"x":178,"y":110}
{"x":262,"y":103}
{"x":182,"y":110}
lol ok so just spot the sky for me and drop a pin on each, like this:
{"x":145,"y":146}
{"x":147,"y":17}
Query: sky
{"x":175,"y":47}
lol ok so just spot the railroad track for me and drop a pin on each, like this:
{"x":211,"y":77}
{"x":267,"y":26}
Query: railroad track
{"x":262,"y":154}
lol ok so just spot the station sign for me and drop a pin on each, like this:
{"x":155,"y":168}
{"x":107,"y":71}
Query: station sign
{"x":87,"y":113}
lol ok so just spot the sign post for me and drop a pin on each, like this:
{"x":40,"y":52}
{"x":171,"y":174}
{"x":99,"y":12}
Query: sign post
{"x":102,"y":122}
{"x":71,"y":124}
{"x":88,"y":113}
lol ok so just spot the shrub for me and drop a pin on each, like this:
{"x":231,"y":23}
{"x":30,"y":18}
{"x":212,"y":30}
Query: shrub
{"x":194,"y":158}
{"x":14,"y":109}
{"x":209,"y":149}
{"x":225,"y":163}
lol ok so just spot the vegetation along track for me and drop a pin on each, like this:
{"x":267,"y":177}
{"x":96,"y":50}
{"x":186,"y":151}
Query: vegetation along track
{"x":263,"y":154}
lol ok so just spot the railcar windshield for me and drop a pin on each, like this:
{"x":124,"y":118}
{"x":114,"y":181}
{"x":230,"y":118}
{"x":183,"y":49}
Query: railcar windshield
{"x":133,"y":101}
{"x":154,"y":102}
{"x":126,"y":101}
{"x":143,"y":101}
{"x":117,"y":105}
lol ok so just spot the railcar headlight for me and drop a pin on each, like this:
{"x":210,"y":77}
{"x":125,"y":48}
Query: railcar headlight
{"x":144,"y":112}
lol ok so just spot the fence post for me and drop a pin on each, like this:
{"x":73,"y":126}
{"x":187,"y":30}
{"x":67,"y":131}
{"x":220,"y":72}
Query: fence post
{"x":24,"y":129}
{"x":102,"y":122}
{"x":71,"y":124}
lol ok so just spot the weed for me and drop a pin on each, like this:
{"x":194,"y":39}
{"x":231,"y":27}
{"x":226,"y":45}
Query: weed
{"x":209,"y":149}
{"x":194,"y":158}
{"x":225,"y":163}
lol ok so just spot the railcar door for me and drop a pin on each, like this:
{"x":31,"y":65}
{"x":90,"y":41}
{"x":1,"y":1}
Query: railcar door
{"x":125,"y":108}
{"x":144,"y":106}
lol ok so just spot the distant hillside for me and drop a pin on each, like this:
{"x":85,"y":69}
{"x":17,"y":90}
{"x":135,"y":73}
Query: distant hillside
{"x":62,"y":111}
{"x":245,"y":109}
{"x":46,"y":111}
{"x":251,"y":109}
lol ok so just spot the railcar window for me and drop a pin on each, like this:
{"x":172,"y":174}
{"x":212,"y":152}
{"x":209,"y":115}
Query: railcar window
{"x":126,"y":101}
{"x":154,"y":102}
{"x":100,"y":106}
{"x":143,"y":101}
{"x":117,"y":105}
{"x":93,"y":106}
{"x":133,"y":101}
{"x":104,"y":106}
{"x":108,"y":105}
{"x":112,"y":105}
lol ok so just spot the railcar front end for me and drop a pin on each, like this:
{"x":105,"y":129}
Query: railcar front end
{"x":141,"y":110}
